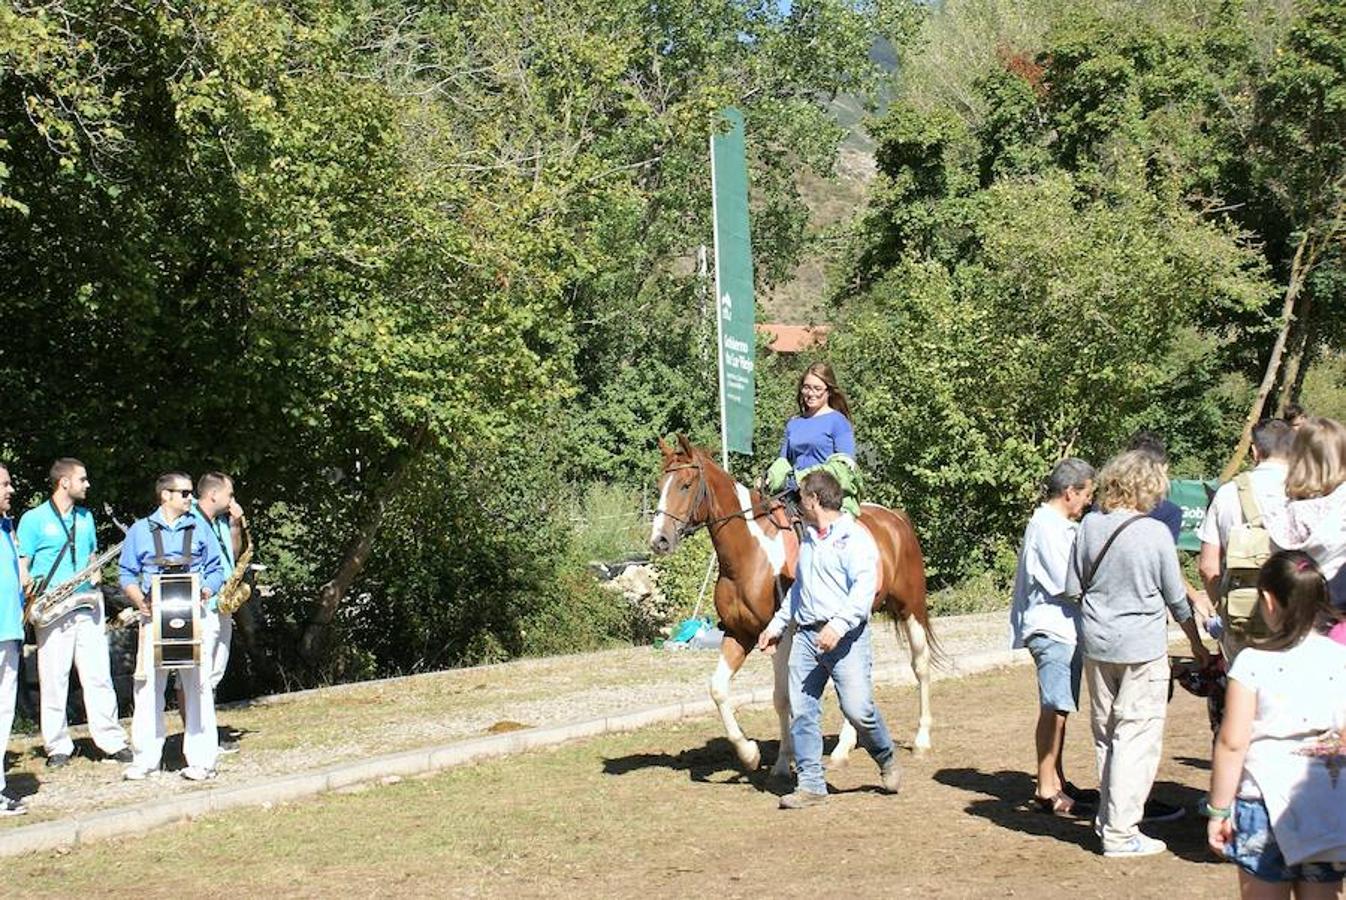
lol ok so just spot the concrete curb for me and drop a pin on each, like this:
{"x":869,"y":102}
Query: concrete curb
{"x":97,"y":826}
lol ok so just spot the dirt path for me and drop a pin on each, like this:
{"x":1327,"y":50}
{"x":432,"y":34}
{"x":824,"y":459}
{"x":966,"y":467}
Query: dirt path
{"x":294,"y":732}
{"x":664,"y":812}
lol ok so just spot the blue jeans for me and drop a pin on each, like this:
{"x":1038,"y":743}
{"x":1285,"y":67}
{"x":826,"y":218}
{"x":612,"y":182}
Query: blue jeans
{"x":1255,"y":850}
{"x":849,"y":666}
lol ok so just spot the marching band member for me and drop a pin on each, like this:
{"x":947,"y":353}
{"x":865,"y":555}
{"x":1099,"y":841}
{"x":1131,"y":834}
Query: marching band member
{"x":169,"y":540}
{"x":221,"y":518}
{"x":57,"y":540}
{"x":11,"y":634}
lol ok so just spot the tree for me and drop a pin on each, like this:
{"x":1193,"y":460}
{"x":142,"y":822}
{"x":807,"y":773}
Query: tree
{"x":341,"y":249}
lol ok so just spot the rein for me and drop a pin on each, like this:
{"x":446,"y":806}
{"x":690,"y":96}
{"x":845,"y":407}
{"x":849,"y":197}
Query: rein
{"x":687,"y":526}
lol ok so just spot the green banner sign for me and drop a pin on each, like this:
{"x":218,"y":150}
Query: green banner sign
{"x":733,"y":281}
{"x":1193,"y":496}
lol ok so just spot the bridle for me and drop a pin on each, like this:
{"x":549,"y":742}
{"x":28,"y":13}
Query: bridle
{"x":687,"y":527}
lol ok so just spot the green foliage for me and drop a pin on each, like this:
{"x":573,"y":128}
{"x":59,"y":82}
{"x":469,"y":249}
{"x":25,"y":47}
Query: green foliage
{"x":1325,"y":388}
{"x":578,"y":616}
{"x":1036,"y":280}
{"x":987,"y":591}
{"x":682,"y":574}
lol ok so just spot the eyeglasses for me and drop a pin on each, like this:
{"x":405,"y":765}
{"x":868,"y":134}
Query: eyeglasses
{"x":181,"y":492}
{"x":810,"y":389}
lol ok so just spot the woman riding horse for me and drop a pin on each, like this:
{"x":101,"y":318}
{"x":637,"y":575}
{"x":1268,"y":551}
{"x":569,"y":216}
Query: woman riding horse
{"x":820,"y":436}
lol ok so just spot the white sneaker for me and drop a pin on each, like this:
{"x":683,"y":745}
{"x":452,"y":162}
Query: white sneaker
{"x":9,"y":806}
{"x":196,"y":773}
{"x":136,"y":773}
{"x":1140,"y":845}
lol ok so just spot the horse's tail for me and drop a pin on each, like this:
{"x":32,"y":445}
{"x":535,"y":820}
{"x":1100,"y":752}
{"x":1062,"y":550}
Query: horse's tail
{"x":908,"y":596}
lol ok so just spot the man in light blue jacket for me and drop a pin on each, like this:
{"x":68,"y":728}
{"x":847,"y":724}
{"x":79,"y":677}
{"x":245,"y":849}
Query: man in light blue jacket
{"x":829,"y":606}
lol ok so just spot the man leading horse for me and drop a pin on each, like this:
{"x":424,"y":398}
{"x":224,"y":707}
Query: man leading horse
{"x":754,"y":574}
{"x":829,"y":609}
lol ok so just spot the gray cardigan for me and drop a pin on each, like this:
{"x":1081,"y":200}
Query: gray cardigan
{"x":1123,"y":613}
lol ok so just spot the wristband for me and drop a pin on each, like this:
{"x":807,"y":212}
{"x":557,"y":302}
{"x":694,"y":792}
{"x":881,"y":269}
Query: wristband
{"x":1216,"y":812}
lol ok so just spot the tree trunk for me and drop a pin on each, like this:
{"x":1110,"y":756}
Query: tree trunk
{"x":314,"y":642}
{"x":1294,"y":363}
{"x":1306,"y":255}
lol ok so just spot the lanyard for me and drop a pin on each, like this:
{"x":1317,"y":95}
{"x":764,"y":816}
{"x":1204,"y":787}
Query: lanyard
{"x":226,"y":549}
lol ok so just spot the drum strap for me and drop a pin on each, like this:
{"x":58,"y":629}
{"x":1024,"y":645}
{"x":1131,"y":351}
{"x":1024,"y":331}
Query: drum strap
{"x":184,"y":560}
{"x":68,"y":545}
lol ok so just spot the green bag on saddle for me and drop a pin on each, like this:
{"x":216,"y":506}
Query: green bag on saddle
{"x":843,"y":469}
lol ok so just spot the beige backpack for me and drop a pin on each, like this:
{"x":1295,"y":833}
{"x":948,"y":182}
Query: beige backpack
{"x":1249,"y":546}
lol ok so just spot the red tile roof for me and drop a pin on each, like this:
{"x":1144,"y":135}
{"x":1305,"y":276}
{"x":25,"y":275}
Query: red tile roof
{"x":793,"y":338}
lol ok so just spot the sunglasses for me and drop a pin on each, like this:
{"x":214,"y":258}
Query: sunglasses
{"x":181,"y":492}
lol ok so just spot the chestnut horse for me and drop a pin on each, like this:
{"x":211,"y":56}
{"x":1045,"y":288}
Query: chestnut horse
{"x":752,"y":550}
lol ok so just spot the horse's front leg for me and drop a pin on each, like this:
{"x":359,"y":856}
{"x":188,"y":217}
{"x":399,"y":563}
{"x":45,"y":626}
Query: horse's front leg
{"x":780,"y":698}
{"x":732,"y":654}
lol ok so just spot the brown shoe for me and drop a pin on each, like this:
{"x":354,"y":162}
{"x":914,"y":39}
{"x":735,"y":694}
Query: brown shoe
{"x":802,"y":800}
{"x":890,"y":776}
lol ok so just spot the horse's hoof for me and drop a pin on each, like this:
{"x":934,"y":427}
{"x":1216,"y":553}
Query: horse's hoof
{"x":837,"y":762}
{"x":751,"y":756}
{"x":921,"y":745}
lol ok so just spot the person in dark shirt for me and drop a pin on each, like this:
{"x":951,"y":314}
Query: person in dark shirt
{"x":1167,"y":511}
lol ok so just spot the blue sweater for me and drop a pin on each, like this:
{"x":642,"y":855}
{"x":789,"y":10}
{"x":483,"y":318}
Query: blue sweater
{"x":809,"y":441}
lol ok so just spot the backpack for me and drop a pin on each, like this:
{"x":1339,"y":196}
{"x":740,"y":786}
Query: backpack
{"x":1249,"y":546}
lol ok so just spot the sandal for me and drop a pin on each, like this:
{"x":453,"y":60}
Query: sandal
{"x":1059,"y":805}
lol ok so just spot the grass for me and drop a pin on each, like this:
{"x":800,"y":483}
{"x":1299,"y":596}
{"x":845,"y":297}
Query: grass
{"x":607,"y":523}
{"x":664,"y":812}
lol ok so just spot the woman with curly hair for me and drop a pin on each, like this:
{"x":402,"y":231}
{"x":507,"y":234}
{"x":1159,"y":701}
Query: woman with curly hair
{"x":1124,"y":571}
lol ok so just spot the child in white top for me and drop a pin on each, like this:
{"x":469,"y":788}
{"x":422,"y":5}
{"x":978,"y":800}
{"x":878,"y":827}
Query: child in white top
{"x":1277,"y":801}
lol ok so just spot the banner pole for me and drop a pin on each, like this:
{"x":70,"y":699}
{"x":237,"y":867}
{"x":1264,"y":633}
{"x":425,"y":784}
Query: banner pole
{"x":719,"y":313}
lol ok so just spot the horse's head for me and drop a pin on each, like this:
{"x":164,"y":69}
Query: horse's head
{"x":684,"y":495}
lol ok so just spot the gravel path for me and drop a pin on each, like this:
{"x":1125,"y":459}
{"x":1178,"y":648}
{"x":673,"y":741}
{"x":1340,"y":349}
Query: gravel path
{"x":289,"y":733}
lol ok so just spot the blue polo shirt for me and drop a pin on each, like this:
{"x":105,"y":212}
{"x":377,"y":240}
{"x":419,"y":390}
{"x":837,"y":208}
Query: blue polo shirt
{"x":11,"y":591}
{"x":42,"y":534}
{"x":137,"y":564}
{"x":220,"y":531}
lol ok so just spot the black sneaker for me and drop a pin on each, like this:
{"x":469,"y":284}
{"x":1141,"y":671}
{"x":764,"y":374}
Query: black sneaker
{"x":11,"y":807}
{"x":1159,"y":811}
{"x":123,"y":756}
{"x":58,"y":760}
{"x":228,"y":746}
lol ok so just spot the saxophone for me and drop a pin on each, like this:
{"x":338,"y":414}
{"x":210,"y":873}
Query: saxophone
{"x":53,"y":603}
{"x":236,"y":591}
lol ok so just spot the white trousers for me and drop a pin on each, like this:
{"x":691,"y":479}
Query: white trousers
{"x":77,"y":639}
{"x":1127,"y":704}
{"x":219,"y":629}
{"x":10,"y":656}
{"x":200,"y":743}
